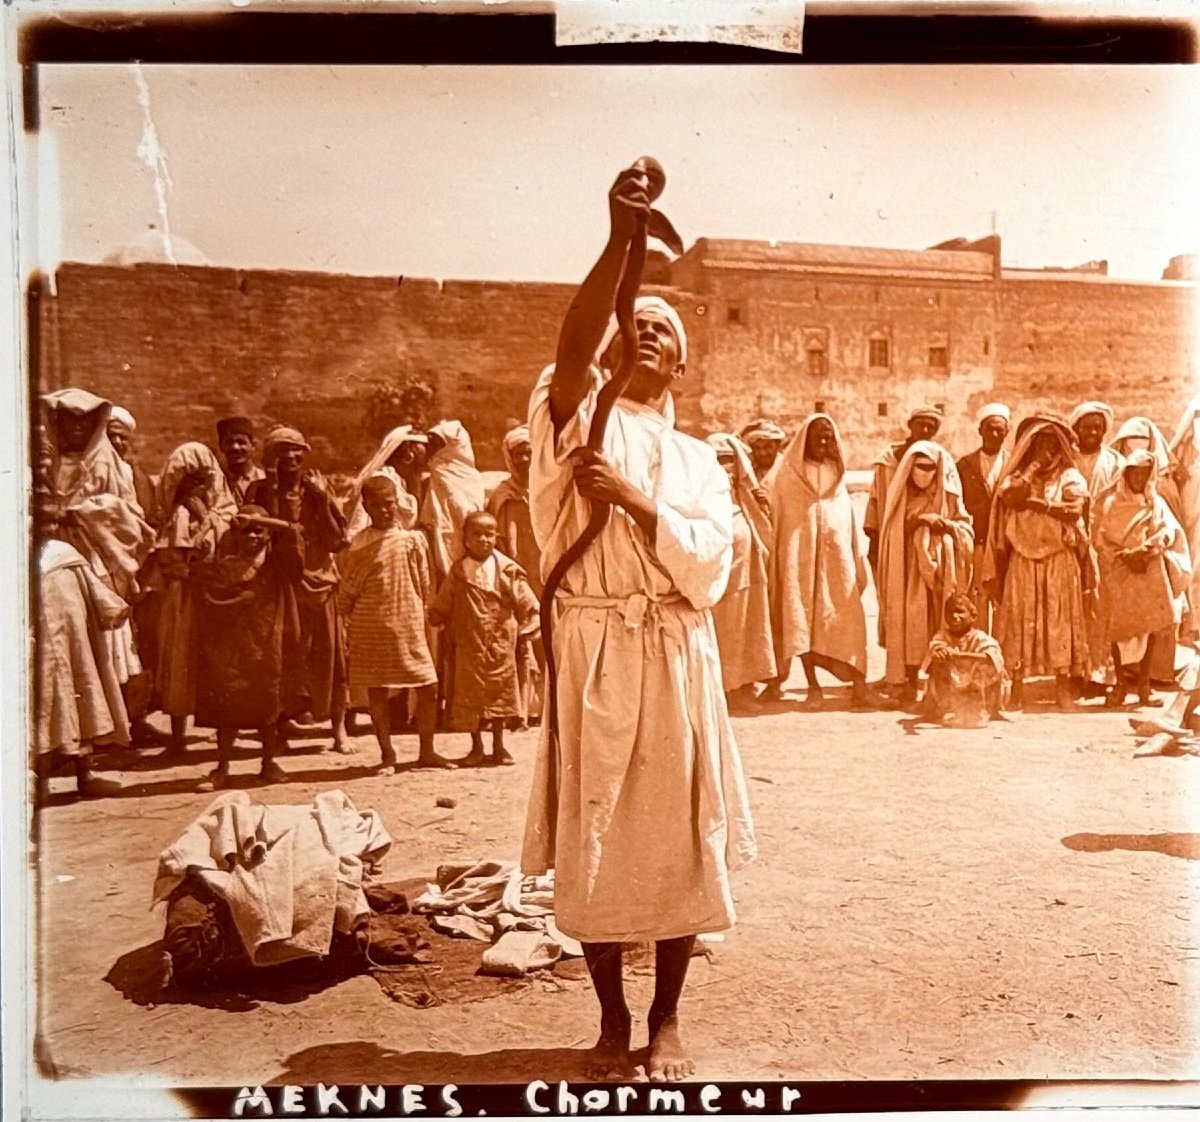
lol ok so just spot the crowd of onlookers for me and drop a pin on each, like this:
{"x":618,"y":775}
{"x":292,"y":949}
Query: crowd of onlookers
{"x":239,"y":590}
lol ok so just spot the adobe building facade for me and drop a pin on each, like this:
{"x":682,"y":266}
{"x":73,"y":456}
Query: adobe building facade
{"x":779,"y":330}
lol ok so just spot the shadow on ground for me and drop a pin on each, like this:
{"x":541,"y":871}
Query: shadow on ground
{"x":368,"y":1063}
{"x":140,"y":977}
{"x":1186,"y":846}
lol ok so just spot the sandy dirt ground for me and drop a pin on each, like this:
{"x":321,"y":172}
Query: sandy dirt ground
{"x":1014,"y":902}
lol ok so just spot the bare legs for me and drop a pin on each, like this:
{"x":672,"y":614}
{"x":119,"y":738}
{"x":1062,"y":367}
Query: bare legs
{"x":270,"y":772}
{"x":378,"y":703}
{"x":477,"y":757}
{"x":610,"y":1058}
{"x":668,"y":1060}
{"x":379,"y":706}
{"x":1118,"y":694}
{"x":843,"y":671}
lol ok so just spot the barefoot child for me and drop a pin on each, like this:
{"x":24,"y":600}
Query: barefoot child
{"x":246,"y":650}
{"x":966,"y":669}
{"x":485,"y":604}
{"x":384,"y":589}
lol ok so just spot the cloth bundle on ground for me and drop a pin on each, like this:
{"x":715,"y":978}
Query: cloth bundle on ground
{"x":290,"y":875}
{"x":492,"y":902}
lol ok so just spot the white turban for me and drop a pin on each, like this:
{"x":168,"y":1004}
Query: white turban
{"x":994,"y":409}
{"x":658,"y":306}
{"x":121,"y":414}
{"x":1081,"y":411}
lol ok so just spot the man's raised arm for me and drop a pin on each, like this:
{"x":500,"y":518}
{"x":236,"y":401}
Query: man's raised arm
{"x":585,"y":322}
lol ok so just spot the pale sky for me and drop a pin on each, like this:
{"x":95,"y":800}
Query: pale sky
{"x":501,"y":172}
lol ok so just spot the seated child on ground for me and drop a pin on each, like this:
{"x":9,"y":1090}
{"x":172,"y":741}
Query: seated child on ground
{"x":484,"y":605}
{"x":384,"y":590}
{"x":966,"y":670}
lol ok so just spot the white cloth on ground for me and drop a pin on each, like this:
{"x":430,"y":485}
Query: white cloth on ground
{"x":291,"y":874}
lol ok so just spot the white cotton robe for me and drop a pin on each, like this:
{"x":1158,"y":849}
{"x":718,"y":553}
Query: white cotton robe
{"x":644,"y":812}
{"x":818,"y":560}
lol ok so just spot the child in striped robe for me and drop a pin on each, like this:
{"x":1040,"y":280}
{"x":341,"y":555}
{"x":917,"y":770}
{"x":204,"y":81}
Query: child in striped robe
{"x":385,"y":584}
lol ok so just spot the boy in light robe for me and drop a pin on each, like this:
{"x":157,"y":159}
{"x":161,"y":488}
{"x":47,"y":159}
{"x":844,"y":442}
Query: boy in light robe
{"x":383,"y":595}
{"x":1142,"y":433}
{"x":742,"y":616}
{"x":509,"y":505}
{"x":78,"y":702}
{"x":966,"y":670}
{"x":1144,"y":573}
{"x":818,"y":564}
{"x":1038,"y":558}
{"x":486,"y":606}
{"x":645,"y":749}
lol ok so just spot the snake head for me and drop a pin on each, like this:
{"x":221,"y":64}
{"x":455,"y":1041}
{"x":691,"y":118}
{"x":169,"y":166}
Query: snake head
{"x":659,"y":227}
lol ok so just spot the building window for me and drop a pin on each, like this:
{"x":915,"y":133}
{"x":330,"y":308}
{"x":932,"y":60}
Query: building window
{"x":733,"y":313}
{"x":881,"y":409}
{"x":939,"y":356}
{"x":877,"y":353}
{"x":818,"y":407}
{"x":818,"y":360}
{"x":987,"y":344}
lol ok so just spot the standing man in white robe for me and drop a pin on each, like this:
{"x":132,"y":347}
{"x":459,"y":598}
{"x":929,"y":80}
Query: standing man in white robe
{"x":646,"y":811}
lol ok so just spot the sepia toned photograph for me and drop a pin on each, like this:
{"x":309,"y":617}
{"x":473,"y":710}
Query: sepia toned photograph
{"x":611,"y":577}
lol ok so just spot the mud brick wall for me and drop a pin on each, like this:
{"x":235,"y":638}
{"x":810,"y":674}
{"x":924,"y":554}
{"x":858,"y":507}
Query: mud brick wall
{"x":1132,"y":345}
{"x":756,"y":332}
{"x":182,"y":346}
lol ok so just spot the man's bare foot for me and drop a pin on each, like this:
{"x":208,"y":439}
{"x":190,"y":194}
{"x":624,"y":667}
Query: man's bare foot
{"x":501,"y":757}
{"x":609,"y":1060}
{"x":669,"y":1062}
{"x":814,"y":700}
{"x":438,"y":762}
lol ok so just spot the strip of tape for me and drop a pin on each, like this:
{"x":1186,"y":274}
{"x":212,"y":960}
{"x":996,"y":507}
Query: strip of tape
{"x":776,"y":25}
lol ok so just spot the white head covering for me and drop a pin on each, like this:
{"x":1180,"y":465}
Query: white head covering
{"x":513,"y":439}
{"x":745,"y":485}
{"x":1145,"y":429}
{"x":121,"y":414}
{"x":658,"y":306}
{"x":994,"y":409}
{"x":1081,"y":411}
{"x":356,"y":517}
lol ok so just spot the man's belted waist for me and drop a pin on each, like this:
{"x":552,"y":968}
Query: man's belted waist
{"x":633,"y":608}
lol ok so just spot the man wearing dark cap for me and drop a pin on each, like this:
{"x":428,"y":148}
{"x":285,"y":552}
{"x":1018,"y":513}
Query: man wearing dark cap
{"x":923,"y":424}
{"x":235,"y":438}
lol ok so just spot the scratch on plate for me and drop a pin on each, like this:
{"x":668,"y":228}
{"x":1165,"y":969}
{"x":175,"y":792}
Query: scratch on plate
{"x":151,"y":152}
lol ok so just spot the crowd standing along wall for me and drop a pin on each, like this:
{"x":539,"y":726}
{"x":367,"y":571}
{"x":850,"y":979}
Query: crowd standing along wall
{"x":776,"y":330}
